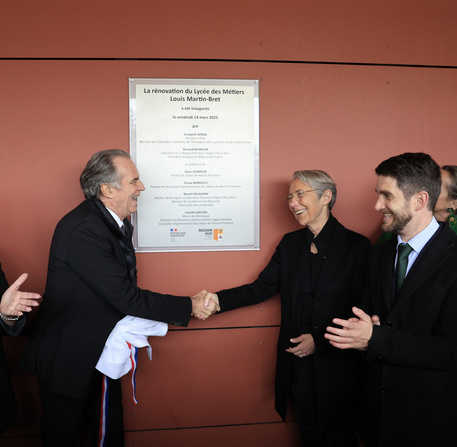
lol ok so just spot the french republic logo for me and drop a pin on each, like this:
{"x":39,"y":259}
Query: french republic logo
{"x":218,"y":234}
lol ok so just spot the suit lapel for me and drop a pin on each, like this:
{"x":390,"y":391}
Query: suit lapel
{"x":387,"y":272}
{"x":429,"y":262}
{"x":111,"y":227}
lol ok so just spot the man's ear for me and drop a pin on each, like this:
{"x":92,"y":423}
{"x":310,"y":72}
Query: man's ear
{"x":106,"y":190}
{"x":421,"y":200}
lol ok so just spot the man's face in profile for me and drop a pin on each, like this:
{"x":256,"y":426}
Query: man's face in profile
{"x":392,"y":204}
{"x":124,"y":201}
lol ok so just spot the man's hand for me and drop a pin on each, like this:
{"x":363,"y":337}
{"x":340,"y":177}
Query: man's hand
{"x":375,"y":320}
{"x":305,"y":345}
{"x":355,"y":333}
{"x":211,"y":297}
{"x":204,"y":304}
{"x":14,"y":302}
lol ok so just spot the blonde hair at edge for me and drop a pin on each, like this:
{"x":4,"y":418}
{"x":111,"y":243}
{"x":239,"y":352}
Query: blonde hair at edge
{"x":319,"y":181}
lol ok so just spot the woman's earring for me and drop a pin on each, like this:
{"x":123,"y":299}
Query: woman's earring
{"x":452,"y":219}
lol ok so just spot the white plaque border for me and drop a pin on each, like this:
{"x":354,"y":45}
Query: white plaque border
{"x":133,"y":82}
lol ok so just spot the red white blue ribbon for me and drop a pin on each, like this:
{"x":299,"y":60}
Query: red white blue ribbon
{"x":133,"y":360}
{"x":105,"y":396}
{"x":104,"y":413}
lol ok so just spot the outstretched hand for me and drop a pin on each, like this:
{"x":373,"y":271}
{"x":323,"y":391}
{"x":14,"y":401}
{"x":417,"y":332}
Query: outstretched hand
{"x":14,"y":302}
{"x":211,"y":297}
{"x":204,"y":304}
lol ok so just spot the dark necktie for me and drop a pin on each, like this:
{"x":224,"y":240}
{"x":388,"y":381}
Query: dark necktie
{"x":129,"y":251}
{"x":402,"y":263}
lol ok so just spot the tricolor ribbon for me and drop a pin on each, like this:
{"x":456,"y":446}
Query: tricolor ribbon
{"x":104,"y":413}
{"x":115,"y":361}
{"x":133,"y":360}
{"x":105,"y":396}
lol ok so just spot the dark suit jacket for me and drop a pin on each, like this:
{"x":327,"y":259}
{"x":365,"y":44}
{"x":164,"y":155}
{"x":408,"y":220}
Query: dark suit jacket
{"x":88,"y":290}
{"x":411,"y":386}
{"x":340,"y":286}
{"x":8,"y":403}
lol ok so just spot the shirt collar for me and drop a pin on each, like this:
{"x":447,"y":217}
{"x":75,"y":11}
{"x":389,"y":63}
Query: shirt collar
{"x":116,"y":217}
{"x":419,"y":241}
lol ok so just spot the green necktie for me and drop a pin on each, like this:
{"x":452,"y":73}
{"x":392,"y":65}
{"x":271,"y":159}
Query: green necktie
{"x":402,"y":263}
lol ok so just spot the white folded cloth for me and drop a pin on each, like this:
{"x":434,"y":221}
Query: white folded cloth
{"x":115,"y":361}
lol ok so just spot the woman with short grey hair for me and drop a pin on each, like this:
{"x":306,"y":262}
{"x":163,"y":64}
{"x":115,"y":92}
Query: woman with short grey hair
{"x":319,"y":272}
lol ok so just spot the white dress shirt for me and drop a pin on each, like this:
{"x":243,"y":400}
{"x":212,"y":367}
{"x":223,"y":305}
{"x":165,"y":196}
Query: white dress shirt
{"x":418,"y":242}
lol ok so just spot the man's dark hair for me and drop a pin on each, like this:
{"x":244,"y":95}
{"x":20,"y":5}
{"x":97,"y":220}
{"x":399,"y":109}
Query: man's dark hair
{"x":414,"y":172}
{"x":100,"y":169}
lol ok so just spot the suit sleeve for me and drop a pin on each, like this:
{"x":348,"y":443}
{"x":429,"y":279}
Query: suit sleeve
{"x":3,"y":282}
{"x":422,"y":331}
{"x":435,"y":348}
{"x":91,"y":255}
{"x":265,"y":286}
{"x":4,"y":328}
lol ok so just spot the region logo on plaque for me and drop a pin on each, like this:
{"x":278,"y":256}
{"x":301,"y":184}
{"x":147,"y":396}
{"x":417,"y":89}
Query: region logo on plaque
{"x":218,"y":234}
{"x":174,"y":234}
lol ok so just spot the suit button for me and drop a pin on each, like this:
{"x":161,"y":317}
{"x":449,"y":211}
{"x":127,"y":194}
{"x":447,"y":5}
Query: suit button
{"x":388,"y":323}
{"x":315,"y":306}
{"x":316,"y":328}
{"x":385,"y":390}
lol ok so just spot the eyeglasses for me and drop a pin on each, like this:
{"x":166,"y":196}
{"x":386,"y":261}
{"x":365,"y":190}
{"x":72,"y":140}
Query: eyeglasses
{"x":297,"y":195}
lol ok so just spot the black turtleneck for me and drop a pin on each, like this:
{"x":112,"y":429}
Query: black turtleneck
{"x":311,"y":268}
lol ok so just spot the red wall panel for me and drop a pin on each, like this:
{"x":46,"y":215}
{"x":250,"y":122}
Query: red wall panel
{"x":344,"y":119}
{"x":417,"y":32}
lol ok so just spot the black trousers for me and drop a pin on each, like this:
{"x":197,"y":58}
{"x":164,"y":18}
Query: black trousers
{"x":62,"y":415}
{"x":305,"y":405}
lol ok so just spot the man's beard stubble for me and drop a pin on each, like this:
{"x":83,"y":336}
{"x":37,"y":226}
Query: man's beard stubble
{"x":398,"y":224}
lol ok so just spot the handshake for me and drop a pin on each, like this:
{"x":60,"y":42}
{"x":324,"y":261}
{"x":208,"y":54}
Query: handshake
{"x":204,"y":304}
